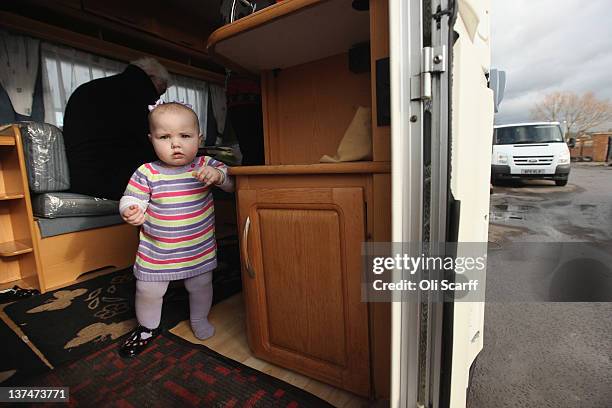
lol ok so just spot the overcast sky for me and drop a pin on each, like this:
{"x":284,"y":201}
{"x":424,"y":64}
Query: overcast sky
{"x":550,"y":45}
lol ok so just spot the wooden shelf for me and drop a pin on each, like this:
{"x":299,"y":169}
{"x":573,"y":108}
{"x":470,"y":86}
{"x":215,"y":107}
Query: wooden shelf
{"x":289,"y":33}
{"x":320,"y":168}
{"x":7,"y":141}
{"x":13,"y":248}
{"x":11,"y":196}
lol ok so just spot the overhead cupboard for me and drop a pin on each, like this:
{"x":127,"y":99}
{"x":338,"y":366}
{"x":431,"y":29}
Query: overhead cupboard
{"x":302,"y":222}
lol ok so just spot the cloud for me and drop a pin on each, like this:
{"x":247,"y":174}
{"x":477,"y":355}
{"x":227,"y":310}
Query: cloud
{"x":547,"y":46}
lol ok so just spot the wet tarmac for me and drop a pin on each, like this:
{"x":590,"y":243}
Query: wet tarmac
{"x":580,"y":211}
{"x":548,"y":317}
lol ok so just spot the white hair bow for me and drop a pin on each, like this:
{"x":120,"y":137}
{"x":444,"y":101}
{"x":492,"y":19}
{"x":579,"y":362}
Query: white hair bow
{"x":160,"y":102}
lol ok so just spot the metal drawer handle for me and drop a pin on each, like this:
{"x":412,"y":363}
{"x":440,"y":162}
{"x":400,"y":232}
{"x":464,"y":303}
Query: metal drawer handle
{"x":245,"y":247}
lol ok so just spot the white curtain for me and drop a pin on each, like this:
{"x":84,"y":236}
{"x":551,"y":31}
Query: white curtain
{"x":191,"y":91}
{"x":219,"y":106}
{"x":64,"y":69}
{"x":18,"y":69}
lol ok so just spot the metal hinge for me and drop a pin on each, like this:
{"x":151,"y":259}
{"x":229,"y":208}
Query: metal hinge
{"x":433,"y":62}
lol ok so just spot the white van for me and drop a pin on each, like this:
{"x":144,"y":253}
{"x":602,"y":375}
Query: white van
{"x":530,"y":151}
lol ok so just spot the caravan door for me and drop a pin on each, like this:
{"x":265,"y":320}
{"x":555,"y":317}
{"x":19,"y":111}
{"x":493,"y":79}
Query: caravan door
{"x":442,"y":119}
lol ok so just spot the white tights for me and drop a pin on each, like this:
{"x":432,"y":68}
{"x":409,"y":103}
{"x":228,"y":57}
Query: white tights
{"x":150,"y":296}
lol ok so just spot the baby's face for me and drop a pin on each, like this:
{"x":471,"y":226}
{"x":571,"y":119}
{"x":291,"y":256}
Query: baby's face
{"x":175,"y":137}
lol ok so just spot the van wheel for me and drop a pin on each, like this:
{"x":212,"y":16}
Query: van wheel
{"x":561,"y":183}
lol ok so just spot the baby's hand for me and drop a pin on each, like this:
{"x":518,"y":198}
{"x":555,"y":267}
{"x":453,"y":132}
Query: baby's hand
{"x":209,"y":175}
{"x":133,"y":215}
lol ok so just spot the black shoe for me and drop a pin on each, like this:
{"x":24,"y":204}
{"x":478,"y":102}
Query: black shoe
{"x":16,"y":293}
{"x":134,"y":344}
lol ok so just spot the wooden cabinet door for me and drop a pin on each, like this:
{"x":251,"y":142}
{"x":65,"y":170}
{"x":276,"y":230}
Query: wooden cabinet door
{"x":301,"y":256}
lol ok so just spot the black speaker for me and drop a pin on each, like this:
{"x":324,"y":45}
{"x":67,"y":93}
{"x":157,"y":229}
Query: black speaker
{"x":383,"y":92}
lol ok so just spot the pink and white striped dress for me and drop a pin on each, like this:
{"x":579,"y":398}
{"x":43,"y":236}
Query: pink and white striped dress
{"x":177,"y":239}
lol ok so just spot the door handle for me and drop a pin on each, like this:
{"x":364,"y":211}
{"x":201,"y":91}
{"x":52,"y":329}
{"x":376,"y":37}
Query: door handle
{"x":245,"y":247}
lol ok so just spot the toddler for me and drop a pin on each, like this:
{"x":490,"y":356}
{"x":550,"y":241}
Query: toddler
{"x":171,"y":198}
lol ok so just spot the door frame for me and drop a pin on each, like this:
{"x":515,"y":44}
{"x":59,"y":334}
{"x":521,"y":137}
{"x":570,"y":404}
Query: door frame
{"x":405,"y":45}
{"x":421,"y":328}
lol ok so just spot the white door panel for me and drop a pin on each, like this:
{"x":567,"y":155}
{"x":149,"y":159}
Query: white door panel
{"x":472,"y":125}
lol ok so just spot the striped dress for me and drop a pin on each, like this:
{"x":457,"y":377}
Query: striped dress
{"x":177,"y":239}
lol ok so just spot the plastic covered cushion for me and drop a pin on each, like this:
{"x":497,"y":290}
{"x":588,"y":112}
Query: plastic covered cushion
{"x":56,"y":205}
{"x":45,"y":157}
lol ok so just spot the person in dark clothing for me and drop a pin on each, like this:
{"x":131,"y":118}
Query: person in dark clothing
{"x":106,"y":127}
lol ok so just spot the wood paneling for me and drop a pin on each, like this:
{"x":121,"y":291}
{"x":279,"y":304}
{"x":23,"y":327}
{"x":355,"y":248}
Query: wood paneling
{"x":309,"y":107}
{"x":302,"y":181}
{"x":379,"y":48}
{"x":10,"y":174}
{"x":18,"y":249}
{"x":305,"y":301}
{"x":134,"y":13}
{"x":380,"y":313}
{"x":302,"y":298}
{"x":323,"y":168}
{"x":65,"y":257}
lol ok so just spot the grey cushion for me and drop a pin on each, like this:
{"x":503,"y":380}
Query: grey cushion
{"x":57,"y":205}
{"x":58,"y":226}
{"x":45,"y":157}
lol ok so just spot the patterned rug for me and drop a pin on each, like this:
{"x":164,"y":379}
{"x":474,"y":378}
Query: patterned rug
{"x":172,"y":372}
{"x":17,"y":360}
{"x":78,"y":320}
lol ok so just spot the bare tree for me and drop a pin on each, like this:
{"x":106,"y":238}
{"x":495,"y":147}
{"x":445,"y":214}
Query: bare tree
{"x":580,"y":112}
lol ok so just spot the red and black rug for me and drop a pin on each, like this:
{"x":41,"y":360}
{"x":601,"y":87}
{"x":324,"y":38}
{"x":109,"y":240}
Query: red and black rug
{"x":172,"y":372}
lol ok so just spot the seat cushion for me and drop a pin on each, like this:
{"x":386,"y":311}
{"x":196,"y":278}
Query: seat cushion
{"x":45,"y":157}
{"x":50,"y":227}
{"x":58,"y":205}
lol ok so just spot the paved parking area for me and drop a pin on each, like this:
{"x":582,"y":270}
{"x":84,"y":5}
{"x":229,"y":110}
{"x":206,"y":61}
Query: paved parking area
{"x":540,"y":352}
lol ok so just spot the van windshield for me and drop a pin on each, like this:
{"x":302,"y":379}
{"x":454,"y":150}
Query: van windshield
{"x":528,"y":134}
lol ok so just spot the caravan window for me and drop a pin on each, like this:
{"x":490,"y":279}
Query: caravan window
{"x":64,"y":69}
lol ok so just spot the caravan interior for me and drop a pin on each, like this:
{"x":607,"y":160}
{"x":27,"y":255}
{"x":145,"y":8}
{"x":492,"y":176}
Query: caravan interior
{"x":300,"y":222}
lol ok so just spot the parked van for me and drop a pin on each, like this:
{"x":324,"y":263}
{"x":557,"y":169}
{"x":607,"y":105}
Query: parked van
{"x":530,"y":151}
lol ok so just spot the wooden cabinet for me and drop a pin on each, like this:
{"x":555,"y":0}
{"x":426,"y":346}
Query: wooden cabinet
{"x":18,"y":257}
{"x":181,"y":22}
{"x":301,"y":279}
{"x":184,"y":24}
{"x":303,"y":222}
{"x":137,"y":14}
